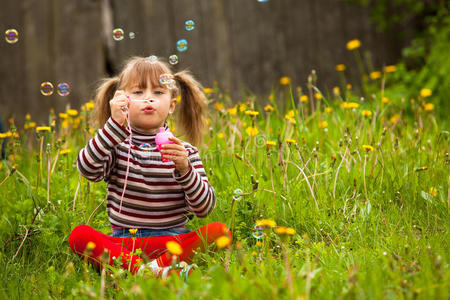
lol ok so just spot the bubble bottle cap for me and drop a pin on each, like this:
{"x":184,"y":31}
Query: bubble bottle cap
{"x":162,"y":138}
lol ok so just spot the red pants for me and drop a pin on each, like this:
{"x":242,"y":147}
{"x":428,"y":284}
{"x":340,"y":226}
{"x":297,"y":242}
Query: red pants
{"x":152,"y":247}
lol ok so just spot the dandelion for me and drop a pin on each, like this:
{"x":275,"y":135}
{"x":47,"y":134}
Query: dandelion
{"x":280,"y":230}
{"x":425,"y":93}
{"x":304,"y":99}
{"x":336,"y":90}
{"x":28,"y":117}
{"x":174,"y":248}
{"x":394,"y":118}
{"x":90,"y":246}
{"x":218,"y":106}
{"x":133,"y":231}
{"x":208,"y":122}
{"x":290,"y":141}
{"x":368,"y":148}
{"x":385,"y":100}
{"x":72,"y":112}
{"x":43,"y":128}
{"x":285,"y":80}
{"x":208,"y":91}
{"x":424,"y":168}
{"x":323,"y":124}
{"x":366,"y":113}
{"x":266,"y":223}
{"x":63,"y":115}
{"x":348,"y":86}
{"x":29,"y":125}
{"x":242,"y":107}
{"x":318,"y":96}
{"x":349,"y":105}
{"x":232,"y":111}
{"x":340,"y":67}
{"x":429,"y":106}
{"x":269,"y":107}
{"x":251,"y":113}
{"x":223,"y":241}
{"x":433,"y":191}
{"x":270,"y":143}
{"x":328,"y":110}
{"x":289,"y":115}
{"x":353,"y":44}
{"x":252,"y":131}
{"x":390,"y":69}
{"x":90,"y":105}
{"x":375,"y":75}
{"x":65,"y":151}
{"x":220,"y":135}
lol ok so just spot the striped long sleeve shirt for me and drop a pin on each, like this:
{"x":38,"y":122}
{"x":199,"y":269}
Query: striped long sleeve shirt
{"x":157,"y":196}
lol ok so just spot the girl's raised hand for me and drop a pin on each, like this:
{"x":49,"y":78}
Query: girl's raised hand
{"x":119,"y":107}
{"x":176,"y":153}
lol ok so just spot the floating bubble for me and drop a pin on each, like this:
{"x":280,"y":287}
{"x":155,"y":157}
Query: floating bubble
{"x":145,"y":146}
{"x":131,"y":35}
{"x":182,"y":45}
{"x":173,"y":59}
{"x":11,"y":36}
{"x":258,"y":232}
{"x":118,"y":34}
{"x":263,"y":0}
{"x":46,"y":88}
{"x":190,"y":25}
{"x":237,"y":194}
{"x":63,"y":89}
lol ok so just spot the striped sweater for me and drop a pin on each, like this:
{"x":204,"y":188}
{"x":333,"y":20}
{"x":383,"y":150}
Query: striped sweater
{"x":156,"y":196}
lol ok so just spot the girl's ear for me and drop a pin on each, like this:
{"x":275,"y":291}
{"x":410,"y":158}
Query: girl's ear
{"x":173,"y":104}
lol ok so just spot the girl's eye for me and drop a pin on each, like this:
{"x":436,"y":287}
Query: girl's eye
{"x":137,"y":92}
{"x":159,"y":92}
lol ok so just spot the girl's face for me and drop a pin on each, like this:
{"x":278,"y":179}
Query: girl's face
{"x":149,"y":107}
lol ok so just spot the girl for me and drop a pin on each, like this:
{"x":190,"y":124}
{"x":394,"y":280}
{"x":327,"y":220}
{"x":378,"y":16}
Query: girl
{"x":144,"y":192}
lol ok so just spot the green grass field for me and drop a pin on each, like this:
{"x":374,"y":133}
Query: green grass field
{"x":364,"y":183}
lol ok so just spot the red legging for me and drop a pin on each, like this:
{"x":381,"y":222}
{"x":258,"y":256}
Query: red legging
{"x":152,"y":247}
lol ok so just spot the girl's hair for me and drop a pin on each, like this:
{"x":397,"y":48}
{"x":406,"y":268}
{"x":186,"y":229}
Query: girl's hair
{"x":142,"y":72}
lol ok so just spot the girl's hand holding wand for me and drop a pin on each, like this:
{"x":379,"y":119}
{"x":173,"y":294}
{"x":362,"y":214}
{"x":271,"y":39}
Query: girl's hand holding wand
{"x":119,"y":107}
{"x":178,"y":154}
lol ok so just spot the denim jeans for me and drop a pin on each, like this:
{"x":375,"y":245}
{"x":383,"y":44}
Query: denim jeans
{"x":143,"y":232}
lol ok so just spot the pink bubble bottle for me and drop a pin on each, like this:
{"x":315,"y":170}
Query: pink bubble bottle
{"x":163,"y":138}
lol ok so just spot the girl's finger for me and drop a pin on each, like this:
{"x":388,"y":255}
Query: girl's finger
{"x":177,"y":141}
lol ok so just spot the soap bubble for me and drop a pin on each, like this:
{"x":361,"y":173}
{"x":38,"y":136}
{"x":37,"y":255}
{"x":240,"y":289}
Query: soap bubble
{"x":237,"y":194}
{"x":190,"y":25}
{"x":165,"y":78}
{"x":131,"y":35}
{"x":263,"y":0}
{"x":46,"y":88}
{"x":118,"y":34}
{"x":182,"y":45}
{"x":145,"y":146}
{"x":63,"y":89}
{"x":11,"y":36}
{"x":258,"y":232}
{"x":173,"y":59}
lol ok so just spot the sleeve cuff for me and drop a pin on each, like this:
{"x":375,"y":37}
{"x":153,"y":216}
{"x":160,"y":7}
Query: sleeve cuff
{"x":183,"y":178}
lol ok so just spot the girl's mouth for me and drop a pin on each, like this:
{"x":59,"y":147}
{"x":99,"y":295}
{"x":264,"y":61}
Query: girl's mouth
{"x":148,"y":109}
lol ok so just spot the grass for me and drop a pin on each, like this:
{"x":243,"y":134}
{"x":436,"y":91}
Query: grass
{"x":370,"y":222}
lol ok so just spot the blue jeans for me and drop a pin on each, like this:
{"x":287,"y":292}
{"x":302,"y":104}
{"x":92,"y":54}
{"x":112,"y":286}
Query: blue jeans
{"x":143,"y":232}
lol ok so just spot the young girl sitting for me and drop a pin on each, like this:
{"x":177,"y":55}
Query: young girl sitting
{"x":156,"y":196}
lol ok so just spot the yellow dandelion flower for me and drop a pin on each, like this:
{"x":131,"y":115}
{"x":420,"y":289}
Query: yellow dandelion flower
{"x":254,"y":253}
{"x":366,"y":113}
{"x":385,"y":100}
{"x":318,"y":96}
{"x":251,"y":113}
{"x":266,"y":223}
{"x":429,"y":106}
{"x":290,"y":231}
{"x":375,"y":75}
{"x":336,"y":90}
{"x":368,"y":148}
{"x":28,"y":117}
{"x":10,"y":120}
{"x":133,"y":231}
{"x":89,"y":105}
{"x":353,"y":44}
{"x":304,"y":99}
{"x":323,"y":124}
{"x":252,"y":131}
{"x":232,"y":111}
{"x":30,"y":125}
{"x":348,"y":86}
{"x":208,"y":91}
{"x":63,"y":115}
{"x":280,"y":230}
{"x":328,"y":110}
{"x":218,"y":106}
{"x":242,"y":107}
{"x":174,"y":248}
{"x":220,"y":135}
{"x":269,"y":107}
{"x":65,"y":151}
{"x":285,"y":80}
{"x":223,"y":241}
{"x":340,"y":67}
{"x":290,"y":141}
{"x":425,"y":93}
{"x":433,"y":191}
{"x":43,"y":128}
{"x":72,"y":112}
{"x":90,"y":246}
{"x":394,"y":118}
{"x":390,"y":69}
{"x":292,"y":121}
{"x":270,"y":143}
{"x":208,"y":122}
